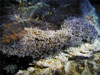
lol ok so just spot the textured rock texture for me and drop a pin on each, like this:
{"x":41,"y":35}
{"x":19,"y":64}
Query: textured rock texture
{"x":54,"y":36}
{"x":83,"y":60}
{"x":37,"y":43}
{"x":48,"y":28}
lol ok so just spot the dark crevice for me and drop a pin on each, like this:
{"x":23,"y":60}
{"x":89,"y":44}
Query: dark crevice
{"x":20,"y":62}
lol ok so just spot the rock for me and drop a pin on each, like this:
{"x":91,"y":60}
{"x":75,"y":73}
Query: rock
{"x":51,"y":35}
{"x":56,"y":65}
{"x":36,"y":42}
{"x":31,"y":69}
{"x":63,"y":64}
{"x":10,"y":68}
{"x":81,"y":31}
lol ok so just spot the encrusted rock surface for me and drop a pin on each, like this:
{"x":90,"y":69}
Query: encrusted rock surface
{"x":83,"y":60}
{"x":37,"y":43}
{"x":50,"y":37}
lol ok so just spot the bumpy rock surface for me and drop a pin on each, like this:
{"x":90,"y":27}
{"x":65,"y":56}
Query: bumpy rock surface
{"x":36,"y":42}
{"x":83,"y":60}
{"x":54,"y":33}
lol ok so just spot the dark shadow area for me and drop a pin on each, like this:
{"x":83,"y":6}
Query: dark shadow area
{"x":21,"y":63}
{"x":96,"y":4}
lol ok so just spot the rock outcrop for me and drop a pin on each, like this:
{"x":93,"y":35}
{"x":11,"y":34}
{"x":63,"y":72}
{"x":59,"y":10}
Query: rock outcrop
{"x":53,"y":34}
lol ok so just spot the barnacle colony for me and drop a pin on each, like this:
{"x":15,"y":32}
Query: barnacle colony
{"x":37,"y":42}
{"x":51,"y":37}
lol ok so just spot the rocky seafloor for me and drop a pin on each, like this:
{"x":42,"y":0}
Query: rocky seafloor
{"x":49,"y":37}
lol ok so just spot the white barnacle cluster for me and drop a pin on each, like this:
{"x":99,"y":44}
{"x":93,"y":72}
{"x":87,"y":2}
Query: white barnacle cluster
{"x":85,"y":50}
{"x":61,"y":62}
{"x":82,"y":31}
{"x":39,"y":41}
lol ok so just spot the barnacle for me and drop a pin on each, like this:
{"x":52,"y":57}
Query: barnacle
{"x":54,"y":36}
{"x":36,"y":42}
